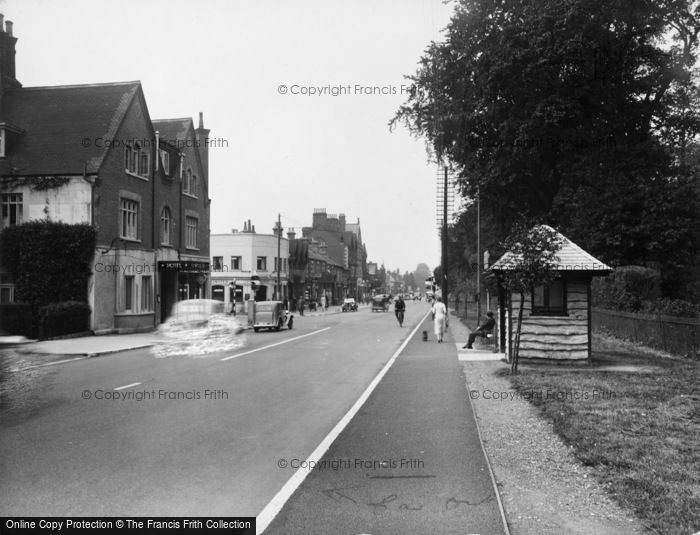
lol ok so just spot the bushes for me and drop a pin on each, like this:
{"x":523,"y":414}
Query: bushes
{"x":50,"y":262}
{"x":67,"y":317}
{"x":637,"y":289}
{"x":16,"y":319}
{"x":672,"y":307}
{"x":627,"y":288}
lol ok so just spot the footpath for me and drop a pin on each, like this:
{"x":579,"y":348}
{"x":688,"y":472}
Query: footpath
{"x":409,"y":462}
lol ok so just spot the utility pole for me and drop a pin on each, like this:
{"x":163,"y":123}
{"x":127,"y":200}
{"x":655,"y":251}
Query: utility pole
{"x":443,"y":283}
{"x":279,"y":258}
{"x":478,"y":255}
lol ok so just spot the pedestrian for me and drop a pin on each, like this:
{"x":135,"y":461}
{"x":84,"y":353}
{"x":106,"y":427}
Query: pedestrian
{"x":439,"y":318}
{"x":481,"y":331}
{"x":301,"y":306}
{"x":285,"y":304}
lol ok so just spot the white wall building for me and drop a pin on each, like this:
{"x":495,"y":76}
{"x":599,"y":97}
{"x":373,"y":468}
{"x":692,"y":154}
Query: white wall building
{"x":240,"y":259}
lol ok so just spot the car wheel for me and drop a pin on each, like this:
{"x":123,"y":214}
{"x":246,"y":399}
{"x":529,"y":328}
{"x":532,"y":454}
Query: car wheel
{"x":256,"y":329}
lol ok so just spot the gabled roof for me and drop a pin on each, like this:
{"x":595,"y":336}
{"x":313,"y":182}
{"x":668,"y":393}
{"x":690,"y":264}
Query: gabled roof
{"x":64,"y":127}
{"x":570,"y":257}
{"x":173,"y":131}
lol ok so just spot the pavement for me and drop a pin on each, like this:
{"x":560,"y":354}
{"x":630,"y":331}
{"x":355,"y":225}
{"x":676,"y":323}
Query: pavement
{"x":410,"y":461}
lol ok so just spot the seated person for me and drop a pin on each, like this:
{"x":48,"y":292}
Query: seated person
{"x":481,"y":331}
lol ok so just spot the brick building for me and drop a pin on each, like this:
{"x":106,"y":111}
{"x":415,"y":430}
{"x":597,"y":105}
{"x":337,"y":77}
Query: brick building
{"x":143,"y":184}
{"x":340,"y":246}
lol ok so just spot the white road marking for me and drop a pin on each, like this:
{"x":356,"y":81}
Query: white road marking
{"x":47,"y":364}
{"x":127,"y":386}
{"x":275,"y":344}
{"x":268,"y":514}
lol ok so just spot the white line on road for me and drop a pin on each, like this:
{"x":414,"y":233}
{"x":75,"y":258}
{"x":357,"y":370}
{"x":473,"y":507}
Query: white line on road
{"x":47,"y":364}
{"x":268,"y":514}
{"x":275,"y":344}
{"x":127,"y":386}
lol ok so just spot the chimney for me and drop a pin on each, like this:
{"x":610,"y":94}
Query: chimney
{"x":341,"y":218}
{"x":202,"y":135}
{"x":7,"y":56}
{"x":291,"y":234}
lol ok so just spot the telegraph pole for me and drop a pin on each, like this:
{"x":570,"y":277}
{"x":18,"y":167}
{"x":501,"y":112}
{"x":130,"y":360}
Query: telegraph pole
{"x":445,"y":290}
{"x":279,"y":259}
{"x":478,"y":255}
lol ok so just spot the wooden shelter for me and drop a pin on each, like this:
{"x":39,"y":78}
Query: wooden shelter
{"x":556,"y":322}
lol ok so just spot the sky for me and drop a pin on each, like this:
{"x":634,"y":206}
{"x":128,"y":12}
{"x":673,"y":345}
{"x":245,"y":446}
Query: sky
{"x":297,"y":95}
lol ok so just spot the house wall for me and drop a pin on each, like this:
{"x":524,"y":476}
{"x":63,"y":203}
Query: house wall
{"x":553,"y":337}
{"x":249,"y":246}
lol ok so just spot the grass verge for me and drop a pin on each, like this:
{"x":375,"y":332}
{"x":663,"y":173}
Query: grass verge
{"x":637,"y":426}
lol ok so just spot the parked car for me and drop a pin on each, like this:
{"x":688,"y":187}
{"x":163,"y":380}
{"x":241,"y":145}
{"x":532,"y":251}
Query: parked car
{"x":349,"y":305}
{"x":271,"y":315}
{"x":380,"y":303}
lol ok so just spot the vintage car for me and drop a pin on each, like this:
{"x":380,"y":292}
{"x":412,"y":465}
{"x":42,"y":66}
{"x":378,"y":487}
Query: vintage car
{"x":271,"y":315}
{"x":349,"y":305}
{"x":202,"y":314}
{"x":380,"y":303}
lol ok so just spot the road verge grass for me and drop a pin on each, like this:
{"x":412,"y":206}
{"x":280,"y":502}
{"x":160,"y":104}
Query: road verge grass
{"x":635,"y":419}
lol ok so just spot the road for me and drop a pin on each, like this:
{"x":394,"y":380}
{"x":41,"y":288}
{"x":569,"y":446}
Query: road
{"x":108,"y":436}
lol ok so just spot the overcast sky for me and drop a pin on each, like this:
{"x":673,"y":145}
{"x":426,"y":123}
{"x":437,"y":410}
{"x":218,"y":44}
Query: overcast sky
{"x":241,"y":63}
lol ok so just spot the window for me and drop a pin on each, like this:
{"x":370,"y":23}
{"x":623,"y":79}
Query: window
{"x":129,"y":218}
{"x":165,"y":160}
{"x":191,"y":225}
{"x":12,"y":209}
{"x":218,"y":262}
{"x":144,"y":160}
{"x":262,"y":263}
{"x":166,"y":225}
{"x":550,"y":299}
{"x":236,"y":262}
{"x":276,"y":263}
{"x":190,"y":185}
{"x":129,"y":293}
{"x":7,"y":288}
{"x":146,"y":293}
{"x":137,"y":161}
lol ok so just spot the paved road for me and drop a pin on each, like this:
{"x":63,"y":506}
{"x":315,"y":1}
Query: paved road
{"x":61,"y":454}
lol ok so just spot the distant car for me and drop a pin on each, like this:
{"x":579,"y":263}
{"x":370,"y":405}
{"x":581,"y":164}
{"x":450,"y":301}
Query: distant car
{"x":380,"y":303}
{"x":271,"y":315}
{"x":349,"y":305}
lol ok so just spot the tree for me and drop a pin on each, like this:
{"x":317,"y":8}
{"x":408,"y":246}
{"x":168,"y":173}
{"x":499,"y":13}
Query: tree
{"x":530,"y":260}
{"x":579,"y":113}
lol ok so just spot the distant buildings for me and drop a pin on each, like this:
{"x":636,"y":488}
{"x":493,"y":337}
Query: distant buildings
{"x":92,"y":154}
{"x":245,"y":266}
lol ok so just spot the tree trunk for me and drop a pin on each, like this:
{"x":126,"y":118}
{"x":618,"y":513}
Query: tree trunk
{"x":516,"y":345}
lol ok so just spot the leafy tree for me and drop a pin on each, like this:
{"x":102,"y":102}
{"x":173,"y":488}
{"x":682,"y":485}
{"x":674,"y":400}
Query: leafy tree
{"x":580,"y":113}
{"x":530,"y":260}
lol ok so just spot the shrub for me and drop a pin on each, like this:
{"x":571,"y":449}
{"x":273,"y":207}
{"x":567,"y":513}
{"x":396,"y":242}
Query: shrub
{"x":67,"y":317}
{"x":16,"y":318}
{"x":672,"y":307}
{"x":627,"y":288}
